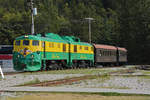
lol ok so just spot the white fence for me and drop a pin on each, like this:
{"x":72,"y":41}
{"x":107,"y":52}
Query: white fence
{"x":6,"y":63}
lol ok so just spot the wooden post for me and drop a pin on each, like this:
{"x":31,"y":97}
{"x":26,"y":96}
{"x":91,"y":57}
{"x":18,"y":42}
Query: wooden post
{"x":1,"y":72}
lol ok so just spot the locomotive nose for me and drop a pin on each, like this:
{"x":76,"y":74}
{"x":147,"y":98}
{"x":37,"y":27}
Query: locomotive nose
{"x":25,"y":51}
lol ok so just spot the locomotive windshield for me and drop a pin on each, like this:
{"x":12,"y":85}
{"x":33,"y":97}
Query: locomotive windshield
{"x":17,"y":42}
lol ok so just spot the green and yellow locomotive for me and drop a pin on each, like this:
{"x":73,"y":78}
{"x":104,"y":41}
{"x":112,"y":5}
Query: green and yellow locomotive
{"x":51,"y":51}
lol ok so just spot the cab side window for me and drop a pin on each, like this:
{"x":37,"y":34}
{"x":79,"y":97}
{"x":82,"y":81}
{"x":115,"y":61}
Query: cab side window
{"x":64,"y":47}
{"x":35,"y":43}
{"x":75,"y":48}
{"x":43,"y":43}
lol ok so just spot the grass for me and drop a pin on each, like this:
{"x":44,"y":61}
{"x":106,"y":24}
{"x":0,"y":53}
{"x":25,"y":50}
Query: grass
{"x":114,"y":87}
{"x":103,"y":78}
{"x":82,"y":93}
{"x":79,"y":96}
{"x":35,"y":81}
{"x":76,"y":71}
{"x":145,"y":72}
{"x":139,"y":76}
{"x":14,"y":76}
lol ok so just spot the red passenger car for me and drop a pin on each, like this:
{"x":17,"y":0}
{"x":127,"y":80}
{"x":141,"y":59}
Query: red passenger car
{"x":108,"y":55}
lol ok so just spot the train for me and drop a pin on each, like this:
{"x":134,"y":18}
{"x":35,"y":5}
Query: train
{"x":52,"y":51}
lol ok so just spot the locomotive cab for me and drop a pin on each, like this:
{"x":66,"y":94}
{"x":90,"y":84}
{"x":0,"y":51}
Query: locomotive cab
{"x":26,"y":54}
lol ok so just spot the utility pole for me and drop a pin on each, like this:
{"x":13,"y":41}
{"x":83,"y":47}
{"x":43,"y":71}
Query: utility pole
{"x":33,"y":12}
{"x":32,"y":27}
{"x":89,"y":21}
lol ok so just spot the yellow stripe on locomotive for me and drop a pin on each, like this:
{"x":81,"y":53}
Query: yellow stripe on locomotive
{"x":82,"y":49}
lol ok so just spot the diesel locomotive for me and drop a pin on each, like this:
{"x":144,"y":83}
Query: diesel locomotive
{"x":52,"y":51}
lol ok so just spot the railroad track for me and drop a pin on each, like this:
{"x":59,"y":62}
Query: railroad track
{"x":75,"y":79}
{"x":62,"y":81}
{"x":13,"y":73}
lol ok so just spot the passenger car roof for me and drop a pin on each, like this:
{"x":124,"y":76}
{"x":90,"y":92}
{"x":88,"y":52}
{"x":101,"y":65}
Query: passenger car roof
{"x":102,"y":46}
{"x":122,"y":49}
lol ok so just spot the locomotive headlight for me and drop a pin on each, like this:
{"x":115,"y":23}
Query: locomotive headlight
{"x":26,"y":36}
{"x":32,"y":56}
{"x":18,"y":56}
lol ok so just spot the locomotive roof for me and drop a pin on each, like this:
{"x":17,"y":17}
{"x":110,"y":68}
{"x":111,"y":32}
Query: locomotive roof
{"x":102,"y":46}
{"x":75,"y":40}
{"x":54,"y":38}
{"x":39,"y":37}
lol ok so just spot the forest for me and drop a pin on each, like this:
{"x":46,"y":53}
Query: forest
{"x":124,"y":23}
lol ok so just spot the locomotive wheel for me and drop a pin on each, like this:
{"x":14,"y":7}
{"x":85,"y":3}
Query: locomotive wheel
{"x":63,"y":65}
{"x":74,"y":65}
{"x":82,"y":64}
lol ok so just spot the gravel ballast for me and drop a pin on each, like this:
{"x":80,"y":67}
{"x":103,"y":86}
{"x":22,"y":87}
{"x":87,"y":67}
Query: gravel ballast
{"x":123,"y":83}
{"x":13,"y":80}
{"x":115,"y":82}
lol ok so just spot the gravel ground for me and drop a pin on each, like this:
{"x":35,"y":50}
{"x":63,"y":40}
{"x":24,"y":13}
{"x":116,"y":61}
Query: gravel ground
{"x":75,"y":89}
{"x":123,"y":83}
{"x":12,"y":80}
{"x":115,"y":82}
{"x":8,"y":70}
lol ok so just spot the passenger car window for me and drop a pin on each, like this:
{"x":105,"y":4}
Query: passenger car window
{"x":25,"y":42}
{"x":35,"y":43}
{"x":17,"y":42}
{"x":92,"y":49}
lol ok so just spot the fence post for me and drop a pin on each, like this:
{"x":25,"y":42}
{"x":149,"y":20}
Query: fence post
{"x":1,"y":72}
